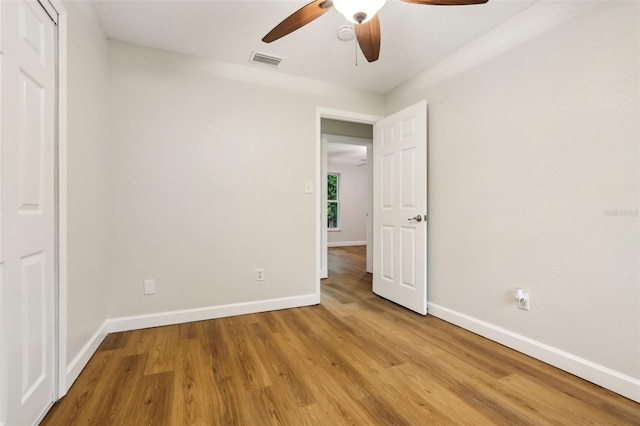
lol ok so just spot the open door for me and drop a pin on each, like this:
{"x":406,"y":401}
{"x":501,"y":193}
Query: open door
{"x":400,"y":208}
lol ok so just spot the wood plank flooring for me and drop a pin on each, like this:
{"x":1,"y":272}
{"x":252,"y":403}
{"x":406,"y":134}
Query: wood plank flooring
{"x":355,"y":359}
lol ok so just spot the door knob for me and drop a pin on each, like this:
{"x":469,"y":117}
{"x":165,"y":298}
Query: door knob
{"x":418,"y":218}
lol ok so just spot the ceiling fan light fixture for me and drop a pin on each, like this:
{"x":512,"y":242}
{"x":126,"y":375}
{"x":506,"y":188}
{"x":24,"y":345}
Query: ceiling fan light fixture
{"x":358,"y":11}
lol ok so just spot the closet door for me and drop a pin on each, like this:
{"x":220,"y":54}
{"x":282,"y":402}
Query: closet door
{"x":27,"y":209}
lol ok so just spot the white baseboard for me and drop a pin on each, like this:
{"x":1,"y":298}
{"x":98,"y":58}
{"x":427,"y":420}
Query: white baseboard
{"x":176,"y":317}
{"x":347,"y":243}
{"x":615,"y":381}
{"x":209,"y":312}
{"x":82,"y":358}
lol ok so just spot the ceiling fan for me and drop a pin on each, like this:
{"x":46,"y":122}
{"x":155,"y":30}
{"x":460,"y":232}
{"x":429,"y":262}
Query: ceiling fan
{"x":363,"y":13}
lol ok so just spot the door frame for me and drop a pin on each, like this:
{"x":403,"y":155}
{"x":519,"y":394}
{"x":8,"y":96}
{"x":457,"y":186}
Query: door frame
{"x":60,"y":292}
{"x":60,"y":197}
{"x":333,"y":114}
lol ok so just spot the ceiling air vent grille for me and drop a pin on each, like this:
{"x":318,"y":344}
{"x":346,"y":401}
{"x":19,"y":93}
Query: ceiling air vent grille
{"x":261,"y":58}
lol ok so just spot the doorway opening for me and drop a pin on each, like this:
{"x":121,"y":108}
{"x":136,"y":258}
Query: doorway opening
{"x":347,"y":191}
{"x":346,"y":132}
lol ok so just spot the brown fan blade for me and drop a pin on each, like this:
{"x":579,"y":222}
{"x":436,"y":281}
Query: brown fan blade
{"x":368,"y":35}
{"x":446,"y":2}
{"x":299,"y":19}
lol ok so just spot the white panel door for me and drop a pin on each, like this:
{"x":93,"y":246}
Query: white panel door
{"x":27,"y":221}
{"x":400,"y":208}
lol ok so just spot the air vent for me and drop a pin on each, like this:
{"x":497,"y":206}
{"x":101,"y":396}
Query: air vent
{"x":261,"y":58}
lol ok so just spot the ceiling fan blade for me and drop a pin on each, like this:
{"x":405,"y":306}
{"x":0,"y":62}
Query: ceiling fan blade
{"x":447,"y":2}
{"x":368,"y":35}
{"x":298,"y":19}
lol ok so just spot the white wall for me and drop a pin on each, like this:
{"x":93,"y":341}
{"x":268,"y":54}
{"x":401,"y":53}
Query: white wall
{"x":354,"y":199}
{"x":208,"y":164}
{"x":87,"y":155}
{"x":531,"y":154}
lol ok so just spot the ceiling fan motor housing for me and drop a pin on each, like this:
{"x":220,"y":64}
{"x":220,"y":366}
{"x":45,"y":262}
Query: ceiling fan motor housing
{"x":358,"y":11}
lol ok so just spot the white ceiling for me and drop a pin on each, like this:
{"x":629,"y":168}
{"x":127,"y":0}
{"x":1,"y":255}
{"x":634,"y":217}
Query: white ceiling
{"x":414,"y":37}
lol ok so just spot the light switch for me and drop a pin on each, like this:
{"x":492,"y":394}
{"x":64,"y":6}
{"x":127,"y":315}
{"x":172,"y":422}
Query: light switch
{"x":308,"y":188}
{"x":149,"y":287}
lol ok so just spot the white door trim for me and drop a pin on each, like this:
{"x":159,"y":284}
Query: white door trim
{"x":50,"y":9}
{"x":61,"y":198}
{"x":333,"y":114}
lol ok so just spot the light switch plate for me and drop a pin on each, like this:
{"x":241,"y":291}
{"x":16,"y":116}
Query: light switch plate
{"x":149,"y":287}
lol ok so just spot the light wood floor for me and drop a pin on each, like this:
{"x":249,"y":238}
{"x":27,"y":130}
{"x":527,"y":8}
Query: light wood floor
{"x":356,"y":359}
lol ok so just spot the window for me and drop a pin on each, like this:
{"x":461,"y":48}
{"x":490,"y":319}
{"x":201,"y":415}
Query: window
{"x":333,"y":201}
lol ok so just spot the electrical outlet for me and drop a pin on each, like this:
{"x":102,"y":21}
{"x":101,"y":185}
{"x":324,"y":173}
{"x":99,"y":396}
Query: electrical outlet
{"x":149,"y":287}
{"x":524,"y":303}
{"x":522,"y":299}
{"x":259,"y":274}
